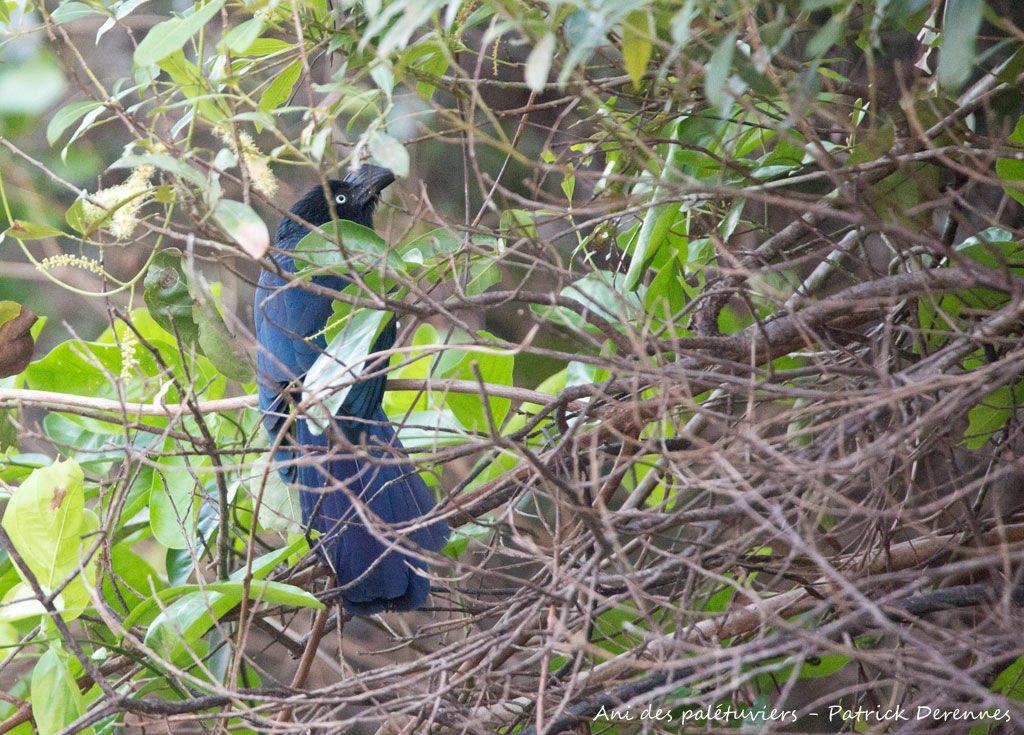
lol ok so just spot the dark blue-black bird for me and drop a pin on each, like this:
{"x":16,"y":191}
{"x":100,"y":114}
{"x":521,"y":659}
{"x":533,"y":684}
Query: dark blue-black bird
{"x":341,"y":493}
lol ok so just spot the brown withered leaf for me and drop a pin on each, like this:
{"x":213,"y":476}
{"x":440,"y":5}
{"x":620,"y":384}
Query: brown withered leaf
{"x":16,"y":344}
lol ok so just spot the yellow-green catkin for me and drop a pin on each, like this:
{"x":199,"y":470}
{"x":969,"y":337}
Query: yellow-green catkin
{"x":129,"y":362}
{"x":256,"y":161}
{"x":123,"y":201}
{"x":75,"y":261}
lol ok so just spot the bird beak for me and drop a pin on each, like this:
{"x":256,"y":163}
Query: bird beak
{"x":369,"y":181}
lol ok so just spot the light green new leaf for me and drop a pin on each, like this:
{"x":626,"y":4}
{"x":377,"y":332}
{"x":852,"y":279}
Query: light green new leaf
{"x":636,"y":43}
{"x":167,"y":37}
{"x":281,"y":88}
{"x":242,"y":36}
{"x":46,"y":519}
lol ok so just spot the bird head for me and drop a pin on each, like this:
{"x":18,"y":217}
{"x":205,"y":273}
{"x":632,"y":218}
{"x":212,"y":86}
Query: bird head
{"x":353,"y":198}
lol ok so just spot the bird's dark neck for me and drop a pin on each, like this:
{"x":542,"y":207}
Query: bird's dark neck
{"x":289,"y":233}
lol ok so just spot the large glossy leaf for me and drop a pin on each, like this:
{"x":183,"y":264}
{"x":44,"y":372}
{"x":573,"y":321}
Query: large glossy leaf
{"x":960,"y":22}
{"x":46,"y":519}
{"x":58,"y":701}
{"x":168,"y":298}
{"x":362,"y":249}
{"x":190,"y":617}
{"x":335,"y":371}
{"x":173,"y":503}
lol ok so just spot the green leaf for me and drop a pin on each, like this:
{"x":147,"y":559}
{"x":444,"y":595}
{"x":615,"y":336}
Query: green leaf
{"x":716,"y":76}
{"x":173,"y":503}
{"x":652,"y":235}
{"x":281,"y":88}
{"x":1010,"y":681}
{"x":649,"y":240}
{"x":242,"y":36}
{"x":823,"y":666}
{"x":280,"y":509}
{"x":390,"y":153}
{"x":826,"y":36}
{"x":960,"y":22}
{"x":58,"y":702}
{"x":340,"y":364}
{"x":430,"y":59}
{"x":538,"y":63}
{"x":636,"y":43}
{"x":222,"y":347}
{"x":1012,"y":170}
{"x":275,"y":593}
{"x":67,"y":116}
{"x":481,"y":275}
{"x":417,"y":367}
{"x":194,"y":85}
{"x":167,"y":37}
{"x":495,"y":368}
{"x":176,"y":630}
{"x":69,"y":11}
{"x":244,"y":226}
{"x":189,"y":618}
{"x":168,"y":296}
{"x":22,"y":230}
{"x":78,"y":368}
{"x":363,"y":248}
{"x":430,"y":245}
{"x":267,"y":47}
{"x":992,"y":414}
{"x":75,"y":216}
{"x":461,"y":537}
{"x":518,"y":223}
{"x":8,"y":431}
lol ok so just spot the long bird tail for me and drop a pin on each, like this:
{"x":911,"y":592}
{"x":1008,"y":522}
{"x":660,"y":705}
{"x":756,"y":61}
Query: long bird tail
{"x":369,"y":513}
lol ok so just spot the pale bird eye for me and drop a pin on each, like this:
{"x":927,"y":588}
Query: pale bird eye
{"x":340,"y":199}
